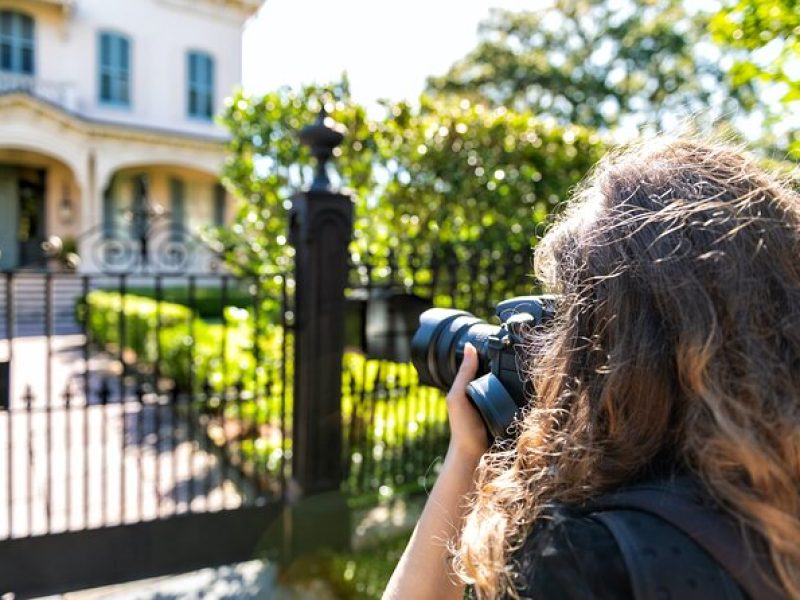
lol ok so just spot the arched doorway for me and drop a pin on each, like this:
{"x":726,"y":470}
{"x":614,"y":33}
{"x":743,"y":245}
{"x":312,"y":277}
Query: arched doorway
{"x":152,"y":219}
{"x":38,"y":198}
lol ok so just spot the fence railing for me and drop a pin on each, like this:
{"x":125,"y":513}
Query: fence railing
{"x":58,"y":92}
{"x":139,"y":397}
{"x":132,"y":399}
{"x":469,"y":276}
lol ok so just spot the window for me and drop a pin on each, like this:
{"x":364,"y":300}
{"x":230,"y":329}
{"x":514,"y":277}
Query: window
{"x":201,"y":85}
{"x":115,"y":69}
{"x":16,"y":42}
{"x":140,"y":207}
{"x":110,"y":211}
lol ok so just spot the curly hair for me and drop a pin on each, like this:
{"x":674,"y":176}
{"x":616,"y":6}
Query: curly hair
{"x":678,"y":335}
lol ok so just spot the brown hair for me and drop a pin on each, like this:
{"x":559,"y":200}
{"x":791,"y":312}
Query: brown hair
{"x":678,"y":333}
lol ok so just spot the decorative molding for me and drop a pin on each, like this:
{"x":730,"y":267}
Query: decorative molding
{"x":66,"y":5}
{"x":233,"y":10}
{"x":104,"y":129}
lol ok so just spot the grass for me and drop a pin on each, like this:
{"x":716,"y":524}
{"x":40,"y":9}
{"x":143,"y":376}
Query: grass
{"x":350,"y":575}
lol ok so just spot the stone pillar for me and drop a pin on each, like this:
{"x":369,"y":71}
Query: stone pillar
{"x":321,"y":225}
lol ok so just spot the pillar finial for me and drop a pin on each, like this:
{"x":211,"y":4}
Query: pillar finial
{"x":322,"y":137}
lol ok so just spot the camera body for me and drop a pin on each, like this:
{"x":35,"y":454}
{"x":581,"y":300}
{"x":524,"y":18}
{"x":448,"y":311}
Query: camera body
{"x":498,"y":393}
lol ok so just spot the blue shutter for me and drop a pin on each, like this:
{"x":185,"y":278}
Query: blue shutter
{"x":200,"y":85}
{"x":177,"y":209}
{"x":123,"y":70}
{"x":209,"y":81}
{"x":190,"y":86}
{"x":110,"y":212}
{"x":219,"y":205}
{"x":114,"y":69}
{"x":9,"y":218}
{"x":17,"y":43}
{"x":104,"y":76}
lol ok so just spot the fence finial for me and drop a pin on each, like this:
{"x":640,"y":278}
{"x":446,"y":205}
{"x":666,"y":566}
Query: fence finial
{"x":323,"y":136}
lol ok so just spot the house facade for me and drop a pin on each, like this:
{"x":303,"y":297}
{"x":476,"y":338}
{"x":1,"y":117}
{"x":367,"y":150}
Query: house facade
{"x":107,"y":133}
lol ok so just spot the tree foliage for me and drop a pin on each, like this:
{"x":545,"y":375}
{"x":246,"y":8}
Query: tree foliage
{"x":461,"y":172}
{"x":444,"y":172}
{"x":597,"y":63}
{"x":267,"y":164}
{"x":766,"y":35}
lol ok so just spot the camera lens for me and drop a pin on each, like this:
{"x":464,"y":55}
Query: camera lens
{"x":498,"y":390}
{"x":433,"y":345}
{"x":438,"y":346}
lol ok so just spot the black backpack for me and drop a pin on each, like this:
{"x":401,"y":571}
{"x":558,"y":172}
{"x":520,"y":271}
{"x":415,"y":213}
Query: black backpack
{"x":675,"y":545}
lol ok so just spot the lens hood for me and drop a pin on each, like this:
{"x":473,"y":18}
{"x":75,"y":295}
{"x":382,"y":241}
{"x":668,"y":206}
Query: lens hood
{"x":432,"y":345}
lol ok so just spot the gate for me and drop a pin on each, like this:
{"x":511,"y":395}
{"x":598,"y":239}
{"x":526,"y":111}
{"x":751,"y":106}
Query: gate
{"x":143,"y":421}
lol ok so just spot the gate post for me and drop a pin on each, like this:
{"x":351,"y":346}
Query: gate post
{"x":320,"y":229}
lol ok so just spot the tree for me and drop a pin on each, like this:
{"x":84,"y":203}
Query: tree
{"x":267,"y":163}
{"x":463,"y":173}
{"x":766,"y":36}
{"x":446,"y":174}
{"x":597,"y":64}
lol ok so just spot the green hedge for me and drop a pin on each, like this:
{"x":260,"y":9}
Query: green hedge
{"x":206,"y":301}
{"x":393,"y":427}
{"x":221,"y":353}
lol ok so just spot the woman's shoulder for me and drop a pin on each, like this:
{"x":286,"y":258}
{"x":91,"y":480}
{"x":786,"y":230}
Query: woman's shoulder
{"x":570,"y":555}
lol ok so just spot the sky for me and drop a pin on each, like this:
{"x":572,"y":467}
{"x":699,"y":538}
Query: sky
{"x":387,"y":47}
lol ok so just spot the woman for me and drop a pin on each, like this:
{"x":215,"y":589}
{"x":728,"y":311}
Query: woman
{"x":675,"y":351}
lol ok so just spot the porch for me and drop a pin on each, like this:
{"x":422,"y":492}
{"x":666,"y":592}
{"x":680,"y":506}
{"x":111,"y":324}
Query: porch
{"x":77,"y":194}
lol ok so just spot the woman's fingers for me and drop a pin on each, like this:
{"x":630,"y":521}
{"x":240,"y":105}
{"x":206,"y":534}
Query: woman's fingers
{"x":468,"y":369}
{"x":467,"y":431}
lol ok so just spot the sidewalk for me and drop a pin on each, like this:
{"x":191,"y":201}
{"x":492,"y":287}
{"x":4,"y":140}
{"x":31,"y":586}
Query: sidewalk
{"x":245,"y":581}
{"x":257,"y":578}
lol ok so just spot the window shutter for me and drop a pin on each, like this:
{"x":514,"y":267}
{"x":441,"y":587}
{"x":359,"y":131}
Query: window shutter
{"x":200,"y":85}
{"x":17,"y":42}
{"x":177,"y":209}
{"x":219,"y":205}
{"x":124,"y":71}
{"x":209,"y":87}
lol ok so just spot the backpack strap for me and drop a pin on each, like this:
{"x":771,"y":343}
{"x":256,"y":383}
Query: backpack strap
{"x":679,"y":503}
{"x":662,"y":562}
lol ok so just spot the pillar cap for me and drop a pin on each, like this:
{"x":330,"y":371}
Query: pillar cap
{"x":322,"y":137}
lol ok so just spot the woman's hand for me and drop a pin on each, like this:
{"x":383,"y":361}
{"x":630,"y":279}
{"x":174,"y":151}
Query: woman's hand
{"x":424,"y":571}
{"x":468,"y":435}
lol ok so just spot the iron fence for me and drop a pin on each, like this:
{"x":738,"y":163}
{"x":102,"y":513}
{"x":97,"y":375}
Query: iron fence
{"x":138,"y":400}
{"x":469,"y":276}
{"x":395,"y":430}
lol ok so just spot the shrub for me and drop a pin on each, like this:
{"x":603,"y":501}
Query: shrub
{"x":189,"y":350}
{"x":392,"y":427}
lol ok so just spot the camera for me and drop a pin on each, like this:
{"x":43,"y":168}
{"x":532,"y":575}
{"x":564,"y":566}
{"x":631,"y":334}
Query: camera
{"x":437,"y":350}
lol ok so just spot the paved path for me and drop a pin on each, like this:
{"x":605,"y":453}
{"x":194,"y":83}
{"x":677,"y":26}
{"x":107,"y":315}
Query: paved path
{"x":244,"y":581}
{"x":87,"y":464}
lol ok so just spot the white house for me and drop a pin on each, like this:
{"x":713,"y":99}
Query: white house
{"x":106,"y":115}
